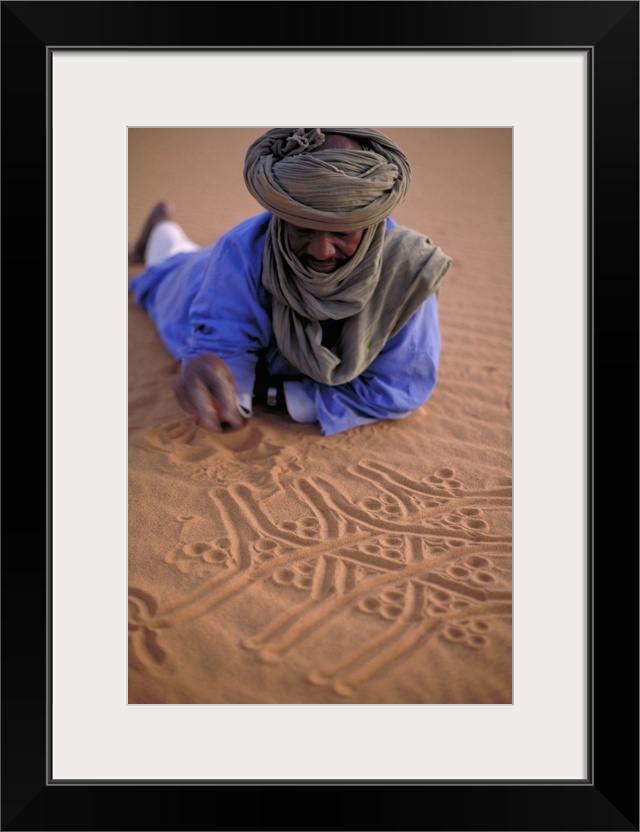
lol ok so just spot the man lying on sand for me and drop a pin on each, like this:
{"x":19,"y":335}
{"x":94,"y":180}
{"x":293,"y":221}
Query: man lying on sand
{"x":324,"y":303}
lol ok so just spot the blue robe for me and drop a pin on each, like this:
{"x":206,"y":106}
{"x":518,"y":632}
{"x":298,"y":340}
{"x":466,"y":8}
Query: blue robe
{"x":213,"y":301}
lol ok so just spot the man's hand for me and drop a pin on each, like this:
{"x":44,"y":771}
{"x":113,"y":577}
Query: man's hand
{"x":207,"y":389}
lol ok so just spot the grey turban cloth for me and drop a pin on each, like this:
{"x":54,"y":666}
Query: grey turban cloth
{"x":329,"y":190}
{"x":375,"y":292}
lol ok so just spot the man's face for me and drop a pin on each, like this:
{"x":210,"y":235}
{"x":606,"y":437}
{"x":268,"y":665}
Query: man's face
{"x":323,"y":251}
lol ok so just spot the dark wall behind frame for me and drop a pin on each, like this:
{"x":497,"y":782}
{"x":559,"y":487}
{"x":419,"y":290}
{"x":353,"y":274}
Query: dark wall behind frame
{"x":609,"y":801}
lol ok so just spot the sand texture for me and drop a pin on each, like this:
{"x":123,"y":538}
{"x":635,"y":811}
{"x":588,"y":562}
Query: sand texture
{"x":275,"y":565}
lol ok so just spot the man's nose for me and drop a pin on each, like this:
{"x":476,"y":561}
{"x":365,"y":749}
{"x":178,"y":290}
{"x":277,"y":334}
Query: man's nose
{"x":321,"y":246}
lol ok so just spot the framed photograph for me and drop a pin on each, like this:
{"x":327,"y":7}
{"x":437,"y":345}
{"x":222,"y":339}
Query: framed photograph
{"x":542,"y":101}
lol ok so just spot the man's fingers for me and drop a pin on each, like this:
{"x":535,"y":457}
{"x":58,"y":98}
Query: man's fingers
{"x":224,"y":392}
{"x":215,"y":376}
{"x":206,"y":407}
{"x":232,"y":416}
{"x":195,"y":399}
{"x":208,"y":390}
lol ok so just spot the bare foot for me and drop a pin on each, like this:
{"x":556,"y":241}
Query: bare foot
{"x":160,"y":212}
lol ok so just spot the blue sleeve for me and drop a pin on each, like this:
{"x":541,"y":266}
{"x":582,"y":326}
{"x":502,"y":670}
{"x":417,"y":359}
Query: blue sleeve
{"x":397,"y":382}
{"x":229,"y":315}
{"x":212,"y":301}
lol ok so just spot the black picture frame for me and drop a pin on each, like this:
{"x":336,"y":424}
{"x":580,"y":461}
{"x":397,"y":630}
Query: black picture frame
{"x":608,"y":798}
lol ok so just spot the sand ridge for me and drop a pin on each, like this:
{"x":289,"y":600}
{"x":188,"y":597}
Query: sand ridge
{"x":275,"y":565}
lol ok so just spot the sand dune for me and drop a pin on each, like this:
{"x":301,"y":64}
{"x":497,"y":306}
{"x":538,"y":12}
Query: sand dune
{"x":275,"y":565}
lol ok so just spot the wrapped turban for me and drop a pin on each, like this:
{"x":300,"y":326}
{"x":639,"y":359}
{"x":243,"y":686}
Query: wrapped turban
{"x":290,"y":174}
